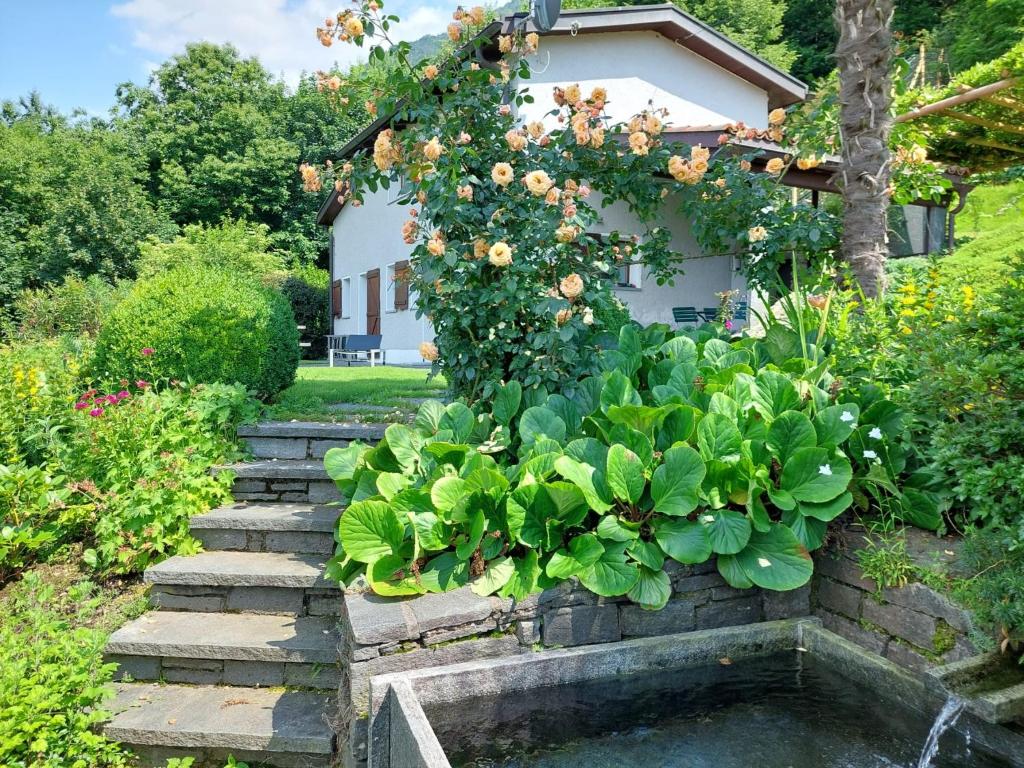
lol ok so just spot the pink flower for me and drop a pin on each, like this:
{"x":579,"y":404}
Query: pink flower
{"x":141,"y":383}
{"x":80,"y":406}
{"x":146,"y":351}
{"x":122,"y":395}
{"x":96,"y":412}
{"x":112,"y":399}
{"x":728,"y":325}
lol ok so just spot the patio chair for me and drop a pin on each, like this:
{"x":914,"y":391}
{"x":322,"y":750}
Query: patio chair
{"x":741,"y":311}
{"x":685,"y":315}
{"x":355,"y":348}
{"x":710,"y":314}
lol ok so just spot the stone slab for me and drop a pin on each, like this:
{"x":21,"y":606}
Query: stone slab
{"x":729,"y":613}
{"x":373,"y":619}
{"x":313,"y":430}
{"x":854,"y":632}
{"x":277,"y":447}
{"x":278,"y":516}
{"x":581,"y":625}
{"x":223,"y":718}
{"x":252,"y":637}
{"x":449,"y":609}
{"x":241,"y":569}
{"x":677,"y":616}
{"x":924,"y":599}
{"x":839,"y":598}
{"x":787,"y":605}
{"x":283,"y":469}
{"x":914,"y":627}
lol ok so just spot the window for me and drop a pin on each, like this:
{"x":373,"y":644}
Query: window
{"x":345,"y":309}
{"x":623,"y":275}
{"x":396,"y":292}
{"x":389,"y":288}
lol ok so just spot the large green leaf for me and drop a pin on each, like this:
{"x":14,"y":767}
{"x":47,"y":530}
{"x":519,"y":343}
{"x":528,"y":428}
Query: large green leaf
{"x":524,"y":577}
{"x":652,"y":589}
{"x":618,"y":391}
{"x":459,"y":419}
{"x":432,"y":534}
{"x":369,"y":530}
{"x":677,"y":427}
{"x":405,"y":446}
{"x":643,"y":418}
{"x":447,"y":453}
{"x":732,"y":573}
{"x":637,"y":442}
{"x":596,"y":493}
{"x":625,"y":474}
{"x":341,"y":463}
{"x":809,"y":531}
{"x":447,"y":492}
{"x":921,"y":509}
{"x":614,"y":528}
{"x":728,"y":529}
{"x":676,"y":483}
{"x":774,"y":394}
{"x":776,"y":560}
{"x":686,"y":541}
{"x":648,"y":553}
{"x":718,"y":438}
{"x":587,"y":395}
{"x":812,"y":474}
{"x":469,"y":539}
{"x":681,"y":349}
{"x":391,"y":576}
{"x":828,"y":510}
{"x":390,"y":484}
{"x":444,"y":572}
{"x":495,"y":576}
{"x":539,"y":421}
{"x":788,"y":433}
{"x":584,"y":550}
{"x":564,"y":501}
{"x":587,"y":450}
{"x":611,"y":574}
{"x":506,"y":402}
{"x":835,"y":423}
{"x":429,"y":415}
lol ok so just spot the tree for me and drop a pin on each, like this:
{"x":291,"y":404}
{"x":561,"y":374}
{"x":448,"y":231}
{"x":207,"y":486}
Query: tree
{"x":754,"y":24}
{"x":975,"y":31}
{"x":864,"y":58}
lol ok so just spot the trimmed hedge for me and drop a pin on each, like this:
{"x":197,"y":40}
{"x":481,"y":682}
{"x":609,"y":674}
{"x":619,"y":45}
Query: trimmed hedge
{"x":204,"y":326}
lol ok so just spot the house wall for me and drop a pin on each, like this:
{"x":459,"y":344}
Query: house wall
{"x":366,"y":238}
{"x":642,"y":69}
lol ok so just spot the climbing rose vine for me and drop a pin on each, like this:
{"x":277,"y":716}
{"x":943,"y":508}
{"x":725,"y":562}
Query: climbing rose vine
{"x":510,"y":259}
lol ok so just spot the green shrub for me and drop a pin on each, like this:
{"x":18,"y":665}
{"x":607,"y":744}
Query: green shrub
{"x":995,"y":591}
{"x":306,"y":289}
{"x":239,"y":247}
{"x":53,"y":682}
{"x":686,"y":447}
{"x":73,"y":308}
{"x":201,"y":325}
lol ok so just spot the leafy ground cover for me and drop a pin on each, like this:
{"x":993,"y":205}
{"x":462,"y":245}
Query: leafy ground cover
{"x":990,"y":230}
{"x":317,"y":388}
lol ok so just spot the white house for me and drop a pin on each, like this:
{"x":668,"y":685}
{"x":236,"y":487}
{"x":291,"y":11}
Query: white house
{"x":644,"y":56}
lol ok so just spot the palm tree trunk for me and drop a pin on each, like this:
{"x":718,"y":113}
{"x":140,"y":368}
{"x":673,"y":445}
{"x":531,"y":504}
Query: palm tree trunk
{"x":863,"y":55}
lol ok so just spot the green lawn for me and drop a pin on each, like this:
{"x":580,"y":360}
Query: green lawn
{"x":989,"y":231}
{"x":316,"y":388}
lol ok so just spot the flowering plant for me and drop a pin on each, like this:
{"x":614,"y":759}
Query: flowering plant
{"x":507,"y":260}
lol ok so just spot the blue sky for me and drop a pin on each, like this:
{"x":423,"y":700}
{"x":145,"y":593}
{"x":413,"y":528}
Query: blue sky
{"x":76,"y":52}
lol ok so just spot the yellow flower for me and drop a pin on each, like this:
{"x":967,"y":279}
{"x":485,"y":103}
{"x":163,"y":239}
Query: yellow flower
{"x":454,"y":31}
{"x":598,"y":96}
{"x":384,"y":154}
{"x":500,"y":255}
{"x":565,"y":233}
{"x":597,"y":137}
{"x":432,"y":150}
{"x":572,"y":94}
{"x":516,"y":141}
{"x":638,"y":142}
{"x":720,"y":183}
{"x":436,"y":245}
{"x":699,"y":153}
{"x":652,"y":124}
{"x":562,"y":316}
{"x":906,"y":330}
{"x":538,"y":182}
{"x":777,"y":116}
{"x":430,"y":71}
{"x":551,"y":198}
{"x":502,"y":174}
{"x":505,"y":43}
{"x":480,"y":248}
{"x":535,"y":129}
{"x":353,"y":27}
{"x":775,"y":165}
{"x":571,"y":286}
{"x":677,"y":167}
{"x":699,"y":166}
{"x":531,"y":42}
{"x":744,"y":165}
{"x":806,"y":163}
{"x":918,"y":154}
{"x":756,"y":234}
{"x":428,"y":351}
{"x":477,"y":14}
{"x":465,"y":192}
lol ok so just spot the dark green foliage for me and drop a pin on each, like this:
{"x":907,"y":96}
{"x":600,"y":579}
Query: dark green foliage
{"x":307,"y":291}
{"x":74,"y":307}
{"x":976,"y":31}
{"x":995,"y":591}
{"x":203,"y":326}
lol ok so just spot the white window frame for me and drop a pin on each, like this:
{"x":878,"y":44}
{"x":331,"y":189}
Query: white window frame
{"x":389,"y":288}
{"x":634,"y":272}
{"x":346,"y":297}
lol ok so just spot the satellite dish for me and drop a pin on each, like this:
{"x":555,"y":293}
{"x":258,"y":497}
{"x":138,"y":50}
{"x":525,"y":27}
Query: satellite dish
{"x":545,"y":13}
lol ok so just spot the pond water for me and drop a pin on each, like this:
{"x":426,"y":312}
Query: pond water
{"x":783,"y":711}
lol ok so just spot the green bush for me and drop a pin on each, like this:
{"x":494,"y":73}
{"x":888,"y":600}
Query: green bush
{"x":306,"y":289}
{"x":201,"y":325}
{"x":239,"y":247}
{"x":73,"y":308}
{"x":995,"y":591}
{"x":688,"y":447}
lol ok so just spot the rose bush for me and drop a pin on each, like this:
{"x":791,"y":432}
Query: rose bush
{"x":504,"y":213}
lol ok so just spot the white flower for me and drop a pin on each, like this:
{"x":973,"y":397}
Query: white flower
{"x":824,"y":469}
{"x":870,"y":455}
{"x":875,"y":433}
{"x":708,"y":519}
{"x":764,"y":562}
{"x":847,"y":417}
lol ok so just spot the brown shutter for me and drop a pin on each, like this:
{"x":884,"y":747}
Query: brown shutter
{"x":336,"y":297}
{"x":401,"y":285}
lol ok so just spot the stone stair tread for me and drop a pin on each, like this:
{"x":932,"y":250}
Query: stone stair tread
{"x":198,"y":716}
{"x":277,"y":469}
{"x":316,"y":430}
{"x":241,"y":569}
{"x":242,"y":637}
{"x":273,"y":516}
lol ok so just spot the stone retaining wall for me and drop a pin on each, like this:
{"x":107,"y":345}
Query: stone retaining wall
{"x":304,"y":440}
{"x":914,"y":626}
{"x":381,"y":635}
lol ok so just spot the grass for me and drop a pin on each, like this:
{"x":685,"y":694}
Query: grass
{"x":989,"y":230}
{"x":317,"y":388}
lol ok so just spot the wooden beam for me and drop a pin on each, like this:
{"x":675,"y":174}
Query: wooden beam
{"x":963,"y":98}
{"x":992,"y":125}
{"x":1017,"y":106}
{"x":995,"y":145}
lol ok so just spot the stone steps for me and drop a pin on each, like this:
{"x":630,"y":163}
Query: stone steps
{"x":285,"y":480}
{"x":274,"y":527}
{"x":226,"y":649}
{"x":260,"y":726}
{"x":304,"y":439}
{"x":244,"y":582}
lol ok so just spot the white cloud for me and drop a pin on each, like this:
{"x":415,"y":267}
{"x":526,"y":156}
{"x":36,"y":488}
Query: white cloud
{"x":280,"y":32}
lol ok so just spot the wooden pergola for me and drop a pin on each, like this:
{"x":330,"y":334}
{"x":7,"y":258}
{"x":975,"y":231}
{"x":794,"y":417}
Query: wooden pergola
{"x":976,"y":122}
